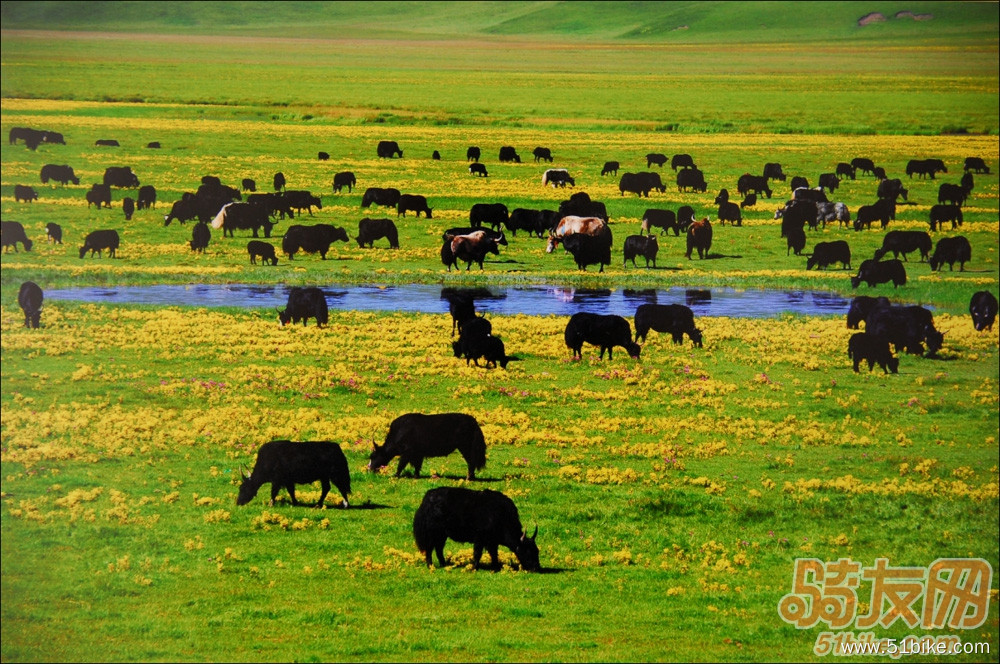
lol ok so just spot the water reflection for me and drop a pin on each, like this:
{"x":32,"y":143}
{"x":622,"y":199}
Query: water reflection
{"x":536,"y":300}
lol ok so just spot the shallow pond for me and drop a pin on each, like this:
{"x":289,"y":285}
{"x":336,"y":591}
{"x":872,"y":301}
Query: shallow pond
{"x":532,"y":300}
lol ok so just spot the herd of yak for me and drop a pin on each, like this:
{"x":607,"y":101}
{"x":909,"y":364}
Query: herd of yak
{"x":488,"y":519}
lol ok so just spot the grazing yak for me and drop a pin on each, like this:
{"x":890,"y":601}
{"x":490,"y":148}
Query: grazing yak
{"x":874,"y":349}
{"x":681,"y":160}
{"x":863,"y":164}
{"x":798,"y":182}
{"x":580,"y":205}
{"x":97,"y":241}
{"x":535,"y":222}
{"x":655,"y":158}
{"x":976,"y":164}
{"x":640,"y":245}
{"x":699,"y":236}
{"x":755,"y":183}
{"x":61,"y":174}
{"x":479,"y":170}
{"x":107,"y":143}
{"x":954,"y":194}
{"x":323,"y":156}
{"x":493,"y":215}
{"x":242,"y":216}
{"x":749,"y":200}
{"x":641,"y":183}
{"x":344,"y":179}
{"x":30,"y":297}
{"x":24,"y":194}
{"x":300,"y":200}
{"x":892,"y":189}
{"x":588,"y":249}
{"x":829,"y":181}
{"x":509,"y":154}
{"x":542,"y":154}
{"x":413,"y":203}
{"x":279,"y":181}
{"x":99,"y":195}
{"x":691,"y":178}
{"x":830,"y":212}
{"x":262,"y":250}
{"x":772,"y":171}
{"x":486,"y":519}
{"x":925,"y":167}
{"x":153,"y":145}
{"x":879,"y":173}
{"x":284,"y":463}
{"x":574,"y":224}
{"x":388,"y":150}
{"x":883,"y":211}
{"x":730,"y":212}
{"x":311,"y":239}
{"x":472,"y":248}
{"x":816,"y":195}
{"x":875,"y":272}
{"x":845,"y":170}
{"x":121,"y":177}
{"x":951,"y":250}
{"x":828,"y":253}
{"x":473,"y":153}
{"x":674,"y":319}
{"x":610,"y":168}
{"x":557,"y":177}
{"x":604,"y":331}
{"x":662,"y":219}
{"x":128,"y":207}
{"x":388,"y":197}
{"x":249,"y":185}
{"x":200,"y":237}
{"x":861,"y":307}
{"x":303,"y":304}
{"x":476,"y":341}
{"x":146,"y":199}
{"x":53,"y":233}
{"x":906,"y":327}
{"x":904,"y":242}
{"x":983,"y":309}
{"x":415,"y":436}
{"x":370,"y":230}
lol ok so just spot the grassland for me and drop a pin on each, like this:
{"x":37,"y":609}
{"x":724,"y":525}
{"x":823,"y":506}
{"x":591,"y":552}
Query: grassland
{"x":672,"y":495}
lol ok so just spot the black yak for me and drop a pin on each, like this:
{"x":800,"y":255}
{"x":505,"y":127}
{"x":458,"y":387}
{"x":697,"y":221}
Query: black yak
{"x":284,"y":463}
{"x":414,"y":436}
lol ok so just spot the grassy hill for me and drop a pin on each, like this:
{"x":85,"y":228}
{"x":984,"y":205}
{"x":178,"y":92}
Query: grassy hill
{"x":658,"y":22}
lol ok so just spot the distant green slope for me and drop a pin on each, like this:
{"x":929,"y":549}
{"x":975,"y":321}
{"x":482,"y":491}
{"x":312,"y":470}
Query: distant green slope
{"x":951,"y":23}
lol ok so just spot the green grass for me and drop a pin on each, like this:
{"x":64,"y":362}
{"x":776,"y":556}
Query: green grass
{"x":672,"y":496}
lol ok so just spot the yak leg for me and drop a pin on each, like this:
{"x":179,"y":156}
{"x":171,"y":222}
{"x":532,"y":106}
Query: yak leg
{"x":440,"y":554}
{"x":275,"y":488}
{"x":291,"y":492}
{"x":471,"y":475}
{"x":477,"y":553}
{"x":417,"y":463}
{"x":494,"y":558}
{"x":402,"y":464}
{"x":326,"y":490}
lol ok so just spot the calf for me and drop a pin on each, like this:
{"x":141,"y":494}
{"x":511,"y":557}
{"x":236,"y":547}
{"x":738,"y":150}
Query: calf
{"x":98,"y":241}
{"x":370,"y":230}
{"x":30,"y":297}
{"x":880,"y":272}
{"x":874,"y":349}
{"x":729,"y":211}
{"x":829,"y":181}
{"x":249,"y":185}
{"x":662,"y":219}
{"x":610,"y":168}
{"x":146,"y":197}
{"x":128,"y":207}
{"x":675,"y":319}
{"x":479,"y":170}
{"x":640,"y":245}
{"x":200,"y":237}
{"x":828,"y":253}
{"x":24,"y":193}
{"x":284,"y":463}
{"x":983,"y":309}
{"x":99,"y":195}
{"x":951,"y":250}
{"x":473,"y":346}
{"x":303,"y":304}
{"x":493,"y":215}
{"x":53,"y":233}
{"x":606,"y":332}
{"x":263,"y":250}
{"x":486,"y":519}
{"x":415,"y":436}
{"x":12,"y":232}
{"x":904,"y":242}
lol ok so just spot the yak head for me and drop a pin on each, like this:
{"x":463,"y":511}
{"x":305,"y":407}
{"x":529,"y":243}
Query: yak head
{"x":283,"y":317}
{"x":248,"y":489}
{"x":527,"y":552}
{"x":380,"y":457}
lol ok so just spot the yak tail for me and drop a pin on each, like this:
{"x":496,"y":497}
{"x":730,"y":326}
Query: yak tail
{"x":220,"y":218}
{"x":477,"y":452}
